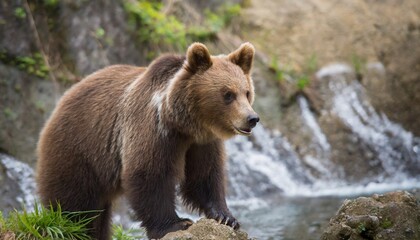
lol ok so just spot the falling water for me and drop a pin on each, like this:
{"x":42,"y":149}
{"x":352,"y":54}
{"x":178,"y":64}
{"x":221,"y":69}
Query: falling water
{"x":267,"y":163}
{"x":22,"y":174}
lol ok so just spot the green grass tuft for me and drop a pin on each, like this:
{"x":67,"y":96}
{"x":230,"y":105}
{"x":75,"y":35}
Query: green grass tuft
{"x":302,"y":82}
{"x":119,"y":233}
{"x":48,"y":223}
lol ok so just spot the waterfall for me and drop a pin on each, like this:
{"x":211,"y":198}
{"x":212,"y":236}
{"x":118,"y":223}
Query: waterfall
{"x":267,"y":163}
{"x":22,"y":174}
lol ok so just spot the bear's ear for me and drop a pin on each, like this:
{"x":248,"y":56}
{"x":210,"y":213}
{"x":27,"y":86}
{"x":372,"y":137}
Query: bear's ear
{"x":243,"y":57}
{"x":198,"y":58}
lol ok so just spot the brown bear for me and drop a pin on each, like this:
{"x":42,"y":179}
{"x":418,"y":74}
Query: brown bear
{"x":142,"y":131}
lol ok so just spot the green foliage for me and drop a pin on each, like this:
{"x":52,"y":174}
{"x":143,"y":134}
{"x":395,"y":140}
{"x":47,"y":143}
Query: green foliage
{"x":153,"y":25}
{"x":2,"y":224}
{"x":51,"y":3}
{"x":214,"y":22}
{"x":48,"y":223}
{"x":302,"y":82}
{"x":311,"y":64}
{"x":33,"y":64}
{"x":358,"y":63}
{"x":9,"y":114}
{"x":229,"y":11}
{"x":40,"y":106}
{"x":119,"y":233}
{"x":100,"y":32}
{"x":386,"y":223}
{"x":156,"y":27}
{"x":20,"y":13}
{"x":278,"y":72}
{"x":361,"y":228}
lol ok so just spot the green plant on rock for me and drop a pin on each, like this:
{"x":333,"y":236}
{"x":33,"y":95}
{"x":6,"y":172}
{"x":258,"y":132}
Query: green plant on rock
{"x":154,"y":25}
{"x":214,"y":21}
{"x":20,"y":13}
{"x":358,"y":64}
{"x":228,"y":12}
{"x":311,"y":64}
{"x":119,"y":233}
{"x":302,"y":82}
{"x":33,"y":64}
{"x":386,"y":223}
{"x":40,"y":106}
{"x":51,"y":3}
{"x":361,"y":228}
{"x":157,"y":27}
{"x":100,"y":32}
{"x":278,"y":72}
{"x":48,"y":223}
{"x":300,"y":79}
{"x":9,"y":114}
{"x":2,"y":224}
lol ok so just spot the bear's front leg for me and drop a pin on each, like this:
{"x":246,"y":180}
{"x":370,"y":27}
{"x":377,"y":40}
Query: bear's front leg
{"x":149,"y":185}
{"x":152,"y":197}
{"x":204,"y":185}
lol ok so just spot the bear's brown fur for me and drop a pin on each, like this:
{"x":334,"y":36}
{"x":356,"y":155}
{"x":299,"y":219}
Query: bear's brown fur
{"x":140,"y":131}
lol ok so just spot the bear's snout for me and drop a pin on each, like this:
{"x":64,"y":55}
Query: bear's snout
{"x":253,"y":119}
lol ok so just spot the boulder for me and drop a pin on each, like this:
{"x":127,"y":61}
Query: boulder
{"x":207,"y":229}
{"x":394,"y":215}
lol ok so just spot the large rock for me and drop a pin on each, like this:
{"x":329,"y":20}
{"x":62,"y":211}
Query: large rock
{"x":207,"y":229}
{"x":328,"y":30}
{"x":394,"y":215}
{"x":17,"y":184}
{"x":396,"y":92}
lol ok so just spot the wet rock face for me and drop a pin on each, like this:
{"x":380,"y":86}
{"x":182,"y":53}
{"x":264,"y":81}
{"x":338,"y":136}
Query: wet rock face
{"x":396,"y":92}
{"x":8,"y":191}
{"x":338,"y":133}
{"x":207,"y":229}
{"x":394,"y":215}
{"x":69,"y":39}
{"x":25,"y":103}
{"x":90,"y":51}
{"x":17,"y":184}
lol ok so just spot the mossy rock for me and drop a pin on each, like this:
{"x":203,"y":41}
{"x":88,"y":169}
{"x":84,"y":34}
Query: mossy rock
{"x":394,"y":215}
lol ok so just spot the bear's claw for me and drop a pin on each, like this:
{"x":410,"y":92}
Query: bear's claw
{"x":223,"y":217}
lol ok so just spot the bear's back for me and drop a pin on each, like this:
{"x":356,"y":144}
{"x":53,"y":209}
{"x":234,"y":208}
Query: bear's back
{"x":83,"y":121}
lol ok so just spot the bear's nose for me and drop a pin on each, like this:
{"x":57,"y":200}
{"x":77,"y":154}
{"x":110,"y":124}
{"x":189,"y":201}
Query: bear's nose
{"x":252,"y":120}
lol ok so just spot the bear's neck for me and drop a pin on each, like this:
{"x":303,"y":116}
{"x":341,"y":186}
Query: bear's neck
{"x":180,"y":112}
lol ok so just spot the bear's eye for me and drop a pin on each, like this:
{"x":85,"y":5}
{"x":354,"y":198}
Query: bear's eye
{"x":229,"y":97}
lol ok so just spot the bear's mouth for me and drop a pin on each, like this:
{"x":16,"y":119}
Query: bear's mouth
{"x":243,"y":131}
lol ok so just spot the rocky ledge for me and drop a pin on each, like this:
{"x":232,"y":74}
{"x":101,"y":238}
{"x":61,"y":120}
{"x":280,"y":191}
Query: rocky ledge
{"x":394,"y":215}
{"x":207,"y":229}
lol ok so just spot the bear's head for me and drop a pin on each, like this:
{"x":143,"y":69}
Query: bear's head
{"x":214,"y":92}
